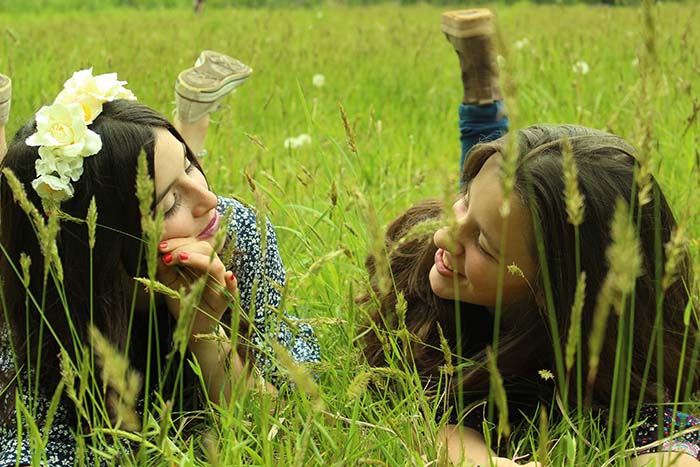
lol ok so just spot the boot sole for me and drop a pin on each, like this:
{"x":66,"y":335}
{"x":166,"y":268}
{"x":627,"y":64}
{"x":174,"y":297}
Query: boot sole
{"x":211,"y":94}
{"x":468,"y":23}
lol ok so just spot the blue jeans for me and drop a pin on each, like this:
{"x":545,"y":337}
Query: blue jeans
{"x":480,"y":123}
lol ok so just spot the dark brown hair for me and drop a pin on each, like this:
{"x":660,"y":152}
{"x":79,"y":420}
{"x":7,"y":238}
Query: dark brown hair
{"x":38,"y":330}
{"x":606,"y":172}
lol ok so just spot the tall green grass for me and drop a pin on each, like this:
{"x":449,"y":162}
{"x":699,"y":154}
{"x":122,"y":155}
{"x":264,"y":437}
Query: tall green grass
{"x":398,"y":83}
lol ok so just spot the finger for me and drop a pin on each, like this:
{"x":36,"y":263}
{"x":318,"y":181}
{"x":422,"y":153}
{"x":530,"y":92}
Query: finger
{"x":231,"y":282}
{"x":188,"y":243}
{"x":202,"y":263}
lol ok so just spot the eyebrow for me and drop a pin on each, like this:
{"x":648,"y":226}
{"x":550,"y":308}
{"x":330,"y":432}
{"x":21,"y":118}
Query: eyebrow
{"x":162,"y":194}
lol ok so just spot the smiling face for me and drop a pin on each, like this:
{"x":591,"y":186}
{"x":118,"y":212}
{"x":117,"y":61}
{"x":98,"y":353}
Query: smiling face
{"x":182,"y":193}
{"x":467,"y":260}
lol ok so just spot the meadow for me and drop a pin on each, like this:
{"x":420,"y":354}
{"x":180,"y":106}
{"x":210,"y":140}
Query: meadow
{"x":397,"y":80}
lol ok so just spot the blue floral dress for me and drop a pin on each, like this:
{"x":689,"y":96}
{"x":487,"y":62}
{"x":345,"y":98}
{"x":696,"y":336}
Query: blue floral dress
{"x":261,"y":279}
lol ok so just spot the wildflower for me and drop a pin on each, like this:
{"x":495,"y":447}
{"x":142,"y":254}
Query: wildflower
{"x":319,"y":80}
{"x":295,"y":142}
{"x":500,"y":61}
{"x":581,"y":68}
{"x":546,"y":375}
{"x":522,"y":43}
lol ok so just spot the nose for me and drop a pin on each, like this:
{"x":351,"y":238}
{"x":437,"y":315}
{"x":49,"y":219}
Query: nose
{"x":462,"y":226}
{"x":204,"y":200}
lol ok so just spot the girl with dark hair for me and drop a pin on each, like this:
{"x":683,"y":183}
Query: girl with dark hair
{"x":459,"y":275}
{"x":57,"y":298}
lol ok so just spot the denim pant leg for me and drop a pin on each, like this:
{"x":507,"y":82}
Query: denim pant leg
{"x":479,"y":123}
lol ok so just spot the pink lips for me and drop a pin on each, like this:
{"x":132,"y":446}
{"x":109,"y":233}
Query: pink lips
{"x":440,"y":265}
{"x":211,"y":228}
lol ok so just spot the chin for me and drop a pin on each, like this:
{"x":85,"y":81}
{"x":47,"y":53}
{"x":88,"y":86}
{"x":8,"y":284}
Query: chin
{"x":439,"y":285}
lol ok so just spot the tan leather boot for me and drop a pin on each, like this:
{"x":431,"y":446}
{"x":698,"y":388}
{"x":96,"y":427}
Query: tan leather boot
{"x":470,"y":32}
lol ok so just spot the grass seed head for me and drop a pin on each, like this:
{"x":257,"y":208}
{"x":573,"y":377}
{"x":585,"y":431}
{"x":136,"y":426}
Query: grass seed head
{"x":574,"y":335}
{"x":92,"y":222}
{"x":675,"y":254}
{"x":349,"y":132}
{"x":624,"y":252}
{"x":25,"y":263}
{"x":358,"y":385}
{"x":499,"y":395}
{"x":188,"y":311}
{"x":575,"y":207}
{"x":20,"y":196}
{"x":449,"y":368}
{"x":117,"y":374}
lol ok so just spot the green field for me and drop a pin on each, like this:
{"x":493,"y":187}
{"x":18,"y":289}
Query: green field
{"x":397,"y":79}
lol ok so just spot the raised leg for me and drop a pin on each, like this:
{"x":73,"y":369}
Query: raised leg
{"x":199,"y":91}
{"x":482,"y":114}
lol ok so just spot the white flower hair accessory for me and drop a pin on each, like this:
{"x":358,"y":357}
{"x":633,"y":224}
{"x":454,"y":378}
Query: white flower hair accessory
{"x":62,"y":132}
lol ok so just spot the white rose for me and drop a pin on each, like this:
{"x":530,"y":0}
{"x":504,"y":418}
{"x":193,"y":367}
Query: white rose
{"x":50,"y":186}
{"x":62,"y":131}
{"x":64,"y":167}
{"x":92,"y":91}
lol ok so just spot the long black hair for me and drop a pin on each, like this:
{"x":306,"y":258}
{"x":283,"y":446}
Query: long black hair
{"x":37,"y":331}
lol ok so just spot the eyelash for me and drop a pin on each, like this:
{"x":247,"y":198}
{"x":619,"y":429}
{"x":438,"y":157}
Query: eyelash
{"x":481,"y":249}
{"x":176,"y":203}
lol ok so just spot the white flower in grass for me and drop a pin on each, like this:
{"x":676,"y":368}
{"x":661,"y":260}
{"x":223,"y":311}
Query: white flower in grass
{"x":92,"y":91}
{"x":295,"y":142}
{"x":581,"y":68}
{"x":303,"y":139}
{"x":500,"y":61}
{"x":522,"y":43}
{"x":319,"y":80}
{"x":62,"y":131}
{"x":51,"y":186}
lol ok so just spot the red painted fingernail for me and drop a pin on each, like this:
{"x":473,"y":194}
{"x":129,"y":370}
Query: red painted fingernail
{"x":230,"y":276}
{"x":163,"y":245}
{"x":184,"y":255}
{"x":167,"y":258}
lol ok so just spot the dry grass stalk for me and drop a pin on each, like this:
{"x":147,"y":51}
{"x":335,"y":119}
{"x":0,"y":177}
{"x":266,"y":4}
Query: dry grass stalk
{"x":625,"y":265}
{"x":675,"y":254}
{"x":499,"y":395}
{"x":117,"y":374}
{"x":69,"y":376}
{"x":448,"y":368}
{"x":300,"y":375}
{"x":25,"y":263}
{"x":359,"y":385}
{"x":188,"y":312}
{"x":574,"y":335}
{"x":92,"y":222}
{"x":150,"y":226}
{"x":575,"y":207}
{"x":349,"y":132}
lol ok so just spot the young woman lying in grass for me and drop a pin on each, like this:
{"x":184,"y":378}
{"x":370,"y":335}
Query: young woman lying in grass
{"x":65,"y":302}
{"x":584,"y":278}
